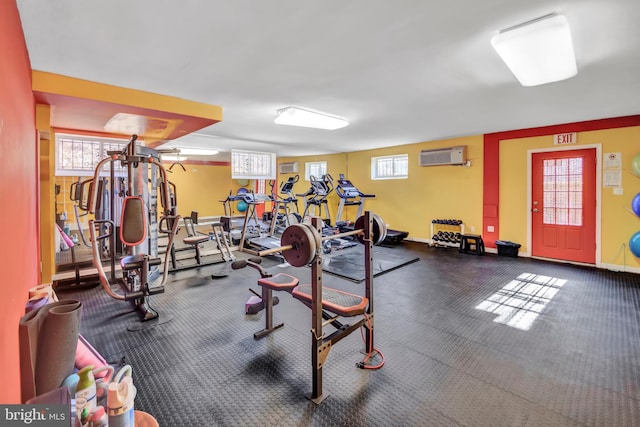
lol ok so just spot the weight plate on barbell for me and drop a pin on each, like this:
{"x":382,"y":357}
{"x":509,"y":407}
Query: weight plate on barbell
{"x":379,"y":229}
{"x":303,"y":242}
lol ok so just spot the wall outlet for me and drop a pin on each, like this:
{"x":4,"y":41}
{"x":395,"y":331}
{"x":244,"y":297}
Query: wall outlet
{"x":472,"y":228}
{"x":490,"y":229}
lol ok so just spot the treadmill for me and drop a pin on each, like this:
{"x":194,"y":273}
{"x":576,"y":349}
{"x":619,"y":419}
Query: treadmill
{"x":261,"y":239}
{"x":351,"y":196}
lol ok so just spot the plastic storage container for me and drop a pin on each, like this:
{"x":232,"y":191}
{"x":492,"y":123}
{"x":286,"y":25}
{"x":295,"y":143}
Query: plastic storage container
{"x":506,"y":248}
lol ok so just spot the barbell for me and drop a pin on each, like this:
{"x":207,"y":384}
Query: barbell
{"x":300,"y":242}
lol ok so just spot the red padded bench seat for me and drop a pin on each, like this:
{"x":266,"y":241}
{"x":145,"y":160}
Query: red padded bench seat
{"x":195,"y":240}
{"x":279,"y":282}
{"x":338,"y":302}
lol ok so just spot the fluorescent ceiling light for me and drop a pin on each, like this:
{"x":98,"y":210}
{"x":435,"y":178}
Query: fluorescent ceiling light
{"x":197,"y":151}
{"x":538,"y":51}
{"x":293,"y":116}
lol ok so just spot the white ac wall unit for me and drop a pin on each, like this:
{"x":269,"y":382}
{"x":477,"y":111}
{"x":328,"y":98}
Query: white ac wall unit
{"x":288,"y":167}
{"x":444,"y":156}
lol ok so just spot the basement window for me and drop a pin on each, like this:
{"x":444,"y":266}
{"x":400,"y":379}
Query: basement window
{"x":78,"y":155}
{"x":252,"y":165}
{"x":390,"y":167}
{"x":316,"y":169}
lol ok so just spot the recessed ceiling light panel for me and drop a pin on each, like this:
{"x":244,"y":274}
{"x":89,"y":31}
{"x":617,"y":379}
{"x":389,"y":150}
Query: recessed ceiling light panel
{"x":539,"y":51}
{"x":293,"y":116}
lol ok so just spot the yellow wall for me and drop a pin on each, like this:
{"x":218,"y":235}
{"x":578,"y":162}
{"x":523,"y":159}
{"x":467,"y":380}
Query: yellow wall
{"x":618,"y":222}
{"x":444,"y":191}
{"x":410,"y":204}
{"x":201,"y":188}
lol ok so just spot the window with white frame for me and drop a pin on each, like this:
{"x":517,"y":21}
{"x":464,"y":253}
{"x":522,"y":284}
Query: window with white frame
{"x":252,"y":165}
{"x":78,"y":155}
{"x":390,"y":167}
{"x":317,"y":169}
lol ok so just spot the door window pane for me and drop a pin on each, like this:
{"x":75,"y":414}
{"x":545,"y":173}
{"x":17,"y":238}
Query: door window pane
{"x":562,"y":181}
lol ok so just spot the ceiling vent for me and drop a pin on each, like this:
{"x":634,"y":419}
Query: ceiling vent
{"x":289,"y":167}
{"x":444,"y":156}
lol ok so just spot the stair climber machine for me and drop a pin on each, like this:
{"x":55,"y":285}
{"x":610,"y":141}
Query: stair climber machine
{"x":128,"y":230}
{"x":351,"y":196}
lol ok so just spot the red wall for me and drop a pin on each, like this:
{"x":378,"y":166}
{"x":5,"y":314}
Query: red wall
{"x":19,"y":248}
{"x":491,"y":182}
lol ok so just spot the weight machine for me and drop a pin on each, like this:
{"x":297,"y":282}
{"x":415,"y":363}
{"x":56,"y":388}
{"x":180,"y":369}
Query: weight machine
{"x":138,"y":227}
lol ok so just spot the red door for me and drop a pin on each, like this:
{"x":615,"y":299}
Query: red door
{"x":563,"y":211}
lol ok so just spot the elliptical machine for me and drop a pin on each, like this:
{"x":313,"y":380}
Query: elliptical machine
{"x":282,"y":214}
{"x":316,"y":197}
{"x":138,"y":225}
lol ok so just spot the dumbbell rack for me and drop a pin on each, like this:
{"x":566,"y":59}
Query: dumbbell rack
{"x":452,"y":228}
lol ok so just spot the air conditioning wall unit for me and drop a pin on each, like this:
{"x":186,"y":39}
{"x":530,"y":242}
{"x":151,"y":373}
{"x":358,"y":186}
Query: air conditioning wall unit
{"x":444,"y":156}
{"x":288,"y":167}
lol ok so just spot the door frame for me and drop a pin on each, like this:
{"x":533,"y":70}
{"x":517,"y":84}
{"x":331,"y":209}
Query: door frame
{"x":598,"y":148}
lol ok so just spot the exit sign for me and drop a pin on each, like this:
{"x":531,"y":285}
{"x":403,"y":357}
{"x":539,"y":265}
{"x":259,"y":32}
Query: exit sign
{"x":565,"y":138}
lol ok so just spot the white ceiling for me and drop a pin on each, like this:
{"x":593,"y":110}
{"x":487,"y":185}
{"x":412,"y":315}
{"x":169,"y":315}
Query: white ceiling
{"x":400,"y":71}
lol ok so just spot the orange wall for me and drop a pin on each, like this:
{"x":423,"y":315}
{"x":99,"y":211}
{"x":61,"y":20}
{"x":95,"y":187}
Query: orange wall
{"x":19,"y":251}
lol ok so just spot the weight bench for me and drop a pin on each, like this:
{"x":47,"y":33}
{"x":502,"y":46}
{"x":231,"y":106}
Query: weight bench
{"x":278,"y":282}
{"x":334,"y":301}
{"x":301,"y":245}
{"x":193,"y":238}
{"x":341,"y":303}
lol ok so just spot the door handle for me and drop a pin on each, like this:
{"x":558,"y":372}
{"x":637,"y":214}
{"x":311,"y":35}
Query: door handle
{"x":535,"y":210}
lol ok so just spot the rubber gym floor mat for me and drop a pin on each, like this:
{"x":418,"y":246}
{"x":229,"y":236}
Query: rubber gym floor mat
{"x":449,"y":361}
{"x":348,"y":263}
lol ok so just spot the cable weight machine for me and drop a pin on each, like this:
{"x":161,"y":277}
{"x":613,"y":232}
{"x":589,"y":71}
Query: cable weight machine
{"x":138,"y":226}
